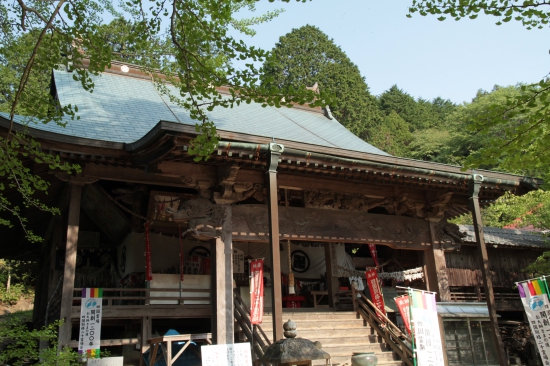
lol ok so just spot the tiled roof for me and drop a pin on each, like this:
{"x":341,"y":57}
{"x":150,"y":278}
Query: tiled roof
{"x":507,"y":237}
{"x":124,"y":109}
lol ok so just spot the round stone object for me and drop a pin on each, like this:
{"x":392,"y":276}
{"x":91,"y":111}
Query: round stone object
{"x":293,"y":350}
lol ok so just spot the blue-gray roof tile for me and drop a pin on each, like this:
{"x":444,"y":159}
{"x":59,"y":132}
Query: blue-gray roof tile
{"x":123,"y":109}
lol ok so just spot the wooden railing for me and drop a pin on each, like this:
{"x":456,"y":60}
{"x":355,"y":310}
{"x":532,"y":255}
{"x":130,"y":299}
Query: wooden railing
{"x":255,"y":335}
{"x":472,"y":297}
{"x":142,"y":296}
{"x":399,"y":342}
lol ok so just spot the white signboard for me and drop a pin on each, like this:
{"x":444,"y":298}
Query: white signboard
{"x":537,"y":308}
{"x":237,"y":354}
{"x":427,"y":337}
{"x":238,"y":261}
{"x":106,"y":361}
{"x":90,"y":322}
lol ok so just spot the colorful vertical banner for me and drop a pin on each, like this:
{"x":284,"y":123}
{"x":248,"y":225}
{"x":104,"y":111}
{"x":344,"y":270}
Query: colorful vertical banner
{"x":534,"y":296}
{"x":256,"y":291}
{"x":375,"y":290}
{"x":372,"y":249}
{"x":403,"y":306}
{"x":148,"y":266}
{"x":90,"y":322}
{"x":427,"y":337}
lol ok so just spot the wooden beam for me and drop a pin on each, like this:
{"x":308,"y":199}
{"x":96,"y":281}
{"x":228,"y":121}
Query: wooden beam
{"x":70,"y":265}
{"x":273,"y":222}
{"x":436,"y":268}
{"x":225,"y":318}
{"x":110,"y":342}
{"x":153,"y":311}
{"x":250,"y":223}
{"x":484,"y":264}
{"x":130,"y":175}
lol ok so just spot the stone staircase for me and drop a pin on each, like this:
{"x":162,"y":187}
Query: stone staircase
{"x":340,"y":333}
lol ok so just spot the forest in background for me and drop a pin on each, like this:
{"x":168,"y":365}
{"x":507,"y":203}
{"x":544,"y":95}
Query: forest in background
{"x":396,"y":122}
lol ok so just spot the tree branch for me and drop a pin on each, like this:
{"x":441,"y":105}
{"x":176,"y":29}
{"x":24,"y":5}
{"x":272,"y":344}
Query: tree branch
{"x":28,"y":67}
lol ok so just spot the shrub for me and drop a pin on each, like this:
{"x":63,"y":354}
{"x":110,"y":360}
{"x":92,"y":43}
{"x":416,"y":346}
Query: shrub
{"x":19,"y":344}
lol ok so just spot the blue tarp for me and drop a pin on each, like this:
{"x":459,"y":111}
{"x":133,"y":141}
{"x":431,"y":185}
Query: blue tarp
{"x":187,"y":358}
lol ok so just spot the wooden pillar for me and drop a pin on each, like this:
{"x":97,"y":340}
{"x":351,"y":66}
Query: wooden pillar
{"x":145,"y":335}
{"x":43,"y":281}
{"x":224,"y":311}
{"x":332,"y":282}
{"x":474,"y":187}
{"x":442,"y":337}
{"x":70,"y":265}
{"x":436,"y":268}
{"x":273,"y":216}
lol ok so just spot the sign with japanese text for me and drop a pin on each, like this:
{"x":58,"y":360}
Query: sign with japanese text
{"x":427,"y":337}
{"x":90,"y":322}
{"x":403,"y":306}
{"x":375,"y":290}
{"x":256,"y":291}
{"x":237,"y":354}
{"x":534,"y":297}
{"x":238,"y":261}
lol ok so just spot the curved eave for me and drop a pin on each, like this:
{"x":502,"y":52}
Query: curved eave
{"x":330,"y":154}
{"x":295,"y":153}
{"x":57,"y":137}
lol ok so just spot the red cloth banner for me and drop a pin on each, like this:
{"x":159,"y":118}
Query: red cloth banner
{"x":148,"y":266}
{"x":375,"y":290}
{"x":256,"y":291}
{"x":181,"y":254}
{"x":403,"y":306}
{"x":372,"y":248}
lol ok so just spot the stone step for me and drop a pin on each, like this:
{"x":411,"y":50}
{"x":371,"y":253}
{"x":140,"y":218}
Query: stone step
{"x":303,"y":315}
{"x":362,"y":341}
{"x":340,"y":333}
{"x":349,"y":350}
{"x":318,"y":334}
{"x":322,"y":324}
{"x":346,"y":361}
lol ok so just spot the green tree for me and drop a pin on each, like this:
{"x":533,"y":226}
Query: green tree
{"x":306,"y":56}
{"x":19,"y":344}
{"x":400,"y":102}
{"x":424,"y":118}
{"x":37,"y":36}
{"x":525,"y":146}
{"x":420,"y":114}
{"x":429,"y":145}
{"x":466,"y":143}
{"x":393,"y":136}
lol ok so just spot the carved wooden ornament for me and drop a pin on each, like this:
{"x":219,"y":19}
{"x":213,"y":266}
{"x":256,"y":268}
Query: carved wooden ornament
{"x":250,"y":223}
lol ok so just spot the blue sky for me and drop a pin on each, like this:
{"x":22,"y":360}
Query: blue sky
{"x":423,"y":56}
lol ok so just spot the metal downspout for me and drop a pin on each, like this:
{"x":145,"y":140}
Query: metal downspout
{"x":275,"y":151}
{"x":474,"y":186}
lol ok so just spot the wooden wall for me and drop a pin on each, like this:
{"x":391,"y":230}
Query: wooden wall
{"x":506,"y":266}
